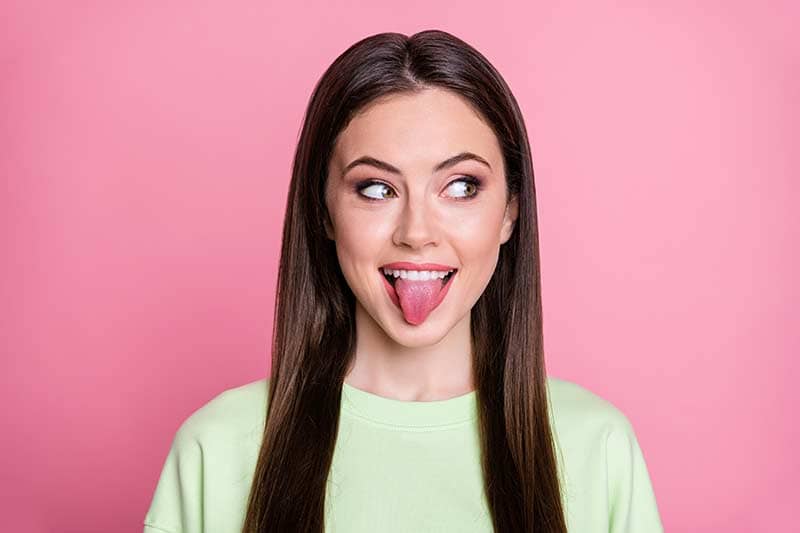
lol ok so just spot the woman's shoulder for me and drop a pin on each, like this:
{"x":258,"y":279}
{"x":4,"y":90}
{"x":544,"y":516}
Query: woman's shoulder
{"x":215,"y":446}
{"x":230,"y":413}
{"x":602,"y":461}
{"x":576,"y":408}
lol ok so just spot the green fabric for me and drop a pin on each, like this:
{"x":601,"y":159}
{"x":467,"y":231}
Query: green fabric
{"x":404,"y":466}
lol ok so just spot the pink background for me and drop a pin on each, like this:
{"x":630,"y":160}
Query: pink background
{"x":145,"y":156}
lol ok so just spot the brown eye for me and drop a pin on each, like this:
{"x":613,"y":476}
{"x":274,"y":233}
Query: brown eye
{"x":376,"y":190}
{"x":467,"y":187}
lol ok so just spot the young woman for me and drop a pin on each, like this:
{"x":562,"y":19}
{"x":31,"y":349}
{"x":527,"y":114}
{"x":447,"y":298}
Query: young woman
{"x":408,"y":388}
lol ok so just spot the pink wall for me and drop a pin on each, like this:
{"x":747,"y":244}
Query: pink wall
{"x":145,"y":156}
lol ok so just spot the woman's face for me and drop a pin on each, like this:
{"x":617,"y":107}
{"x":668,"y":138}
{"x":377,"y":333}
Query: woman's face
{"x":412,"y":199}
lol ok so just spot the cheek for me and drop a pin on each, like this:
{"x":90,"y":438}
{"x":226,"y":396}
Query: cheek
{"x":480,"y":259}
{"x":476,"y":235}
{"x":358,"y":249}
{"x":478,"y":243}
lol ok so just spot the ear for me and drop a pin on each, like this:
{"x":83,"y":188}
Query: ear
{"x":509,"y":220}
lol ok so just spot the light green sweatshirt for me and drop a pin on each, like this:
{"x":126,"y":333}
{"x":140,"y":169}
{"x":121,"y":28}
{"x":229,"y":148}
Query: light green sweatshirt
{"x":404,"y":466}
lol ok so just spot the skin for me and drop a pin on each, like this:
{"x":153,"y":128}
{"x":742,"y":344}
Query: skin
{"x":420,"y":216}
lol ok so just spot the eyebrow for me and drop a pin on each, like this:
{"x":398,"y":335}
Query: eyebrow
{"x":447,"y":163}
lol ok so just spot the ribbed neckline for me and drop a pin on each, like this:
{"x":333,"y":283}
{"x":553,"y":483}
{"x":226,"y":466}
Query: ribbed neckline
{"x":438,"y":414}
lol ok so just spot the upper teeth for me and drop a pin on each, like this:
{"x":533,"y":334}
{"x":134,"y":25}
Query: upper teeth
{"x":421,"y":275}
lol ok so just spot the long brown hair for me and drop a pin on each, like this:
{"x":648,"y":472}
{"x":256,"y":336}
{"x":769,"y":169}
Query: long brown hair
{"x":314,"y":328}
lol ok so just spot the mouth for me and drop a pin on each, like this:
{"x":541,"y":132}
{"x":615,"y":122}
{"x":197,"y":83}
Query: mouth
{"x":416,"y":303}
{"x":392,"y":276}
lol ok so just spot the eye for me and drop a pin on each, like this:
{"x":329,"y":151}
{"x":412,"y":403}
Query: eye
{"x":466,"y":187}
{"x":376,"y":189}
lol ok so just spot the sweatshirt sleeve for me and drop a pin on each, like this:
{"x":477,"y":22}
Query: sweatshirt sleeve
{"x":632,"y":502}
{"x":177,"y":503}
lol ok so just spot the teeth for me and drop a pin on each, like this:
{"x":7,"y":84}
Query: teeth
{"x":421,"y":275}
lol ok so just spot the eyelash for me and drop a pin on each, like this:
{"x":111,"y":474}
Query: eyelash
{"x":360,"y":186}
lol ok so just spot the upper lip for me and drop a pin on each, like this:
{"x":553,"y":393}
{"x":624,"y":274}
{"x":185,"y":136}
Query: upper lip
{"x":405,"y":265}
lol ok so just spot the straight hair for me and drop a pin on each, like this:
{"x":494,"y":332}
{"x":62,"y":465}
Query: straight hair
{"x":314,"y":336}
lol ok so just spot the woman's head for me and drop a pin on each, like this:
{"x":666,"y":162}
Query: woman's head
{"x":418,"y":177}
{"x":412,"y":103}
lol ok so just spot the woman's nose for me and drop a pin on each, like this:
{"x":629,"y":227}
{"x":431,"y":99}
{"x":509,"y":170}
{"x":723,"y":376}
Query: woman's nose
{"x":416,"y":227}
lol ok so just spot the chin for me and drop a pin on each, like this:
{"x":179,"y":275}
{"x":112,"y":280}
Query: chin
{"x":418,"y":336}
{"x":390,"y":322}
{"x":430,"y":332}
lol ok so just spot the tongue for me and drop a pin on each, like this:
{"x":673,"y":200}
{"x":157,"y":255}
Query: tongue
{"x":417,"y":298}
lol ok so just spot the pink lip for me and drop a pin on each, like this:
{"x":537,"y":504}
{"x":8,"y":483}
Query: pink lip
{"x":405,"y":265}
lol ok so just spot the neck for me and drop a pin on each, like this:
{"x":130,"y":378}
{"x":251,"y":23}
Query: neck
{"x":411,"y":365}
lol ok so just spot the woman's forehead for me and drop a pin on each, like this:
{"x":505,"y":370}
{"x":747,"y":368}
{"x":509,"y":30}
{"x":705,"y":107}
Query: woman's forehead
{"x":416,"y":130}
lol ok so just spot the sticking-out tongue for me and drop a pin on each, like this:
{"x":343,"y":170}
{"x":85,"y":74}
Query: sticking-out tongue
{"x":417,"y":298}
